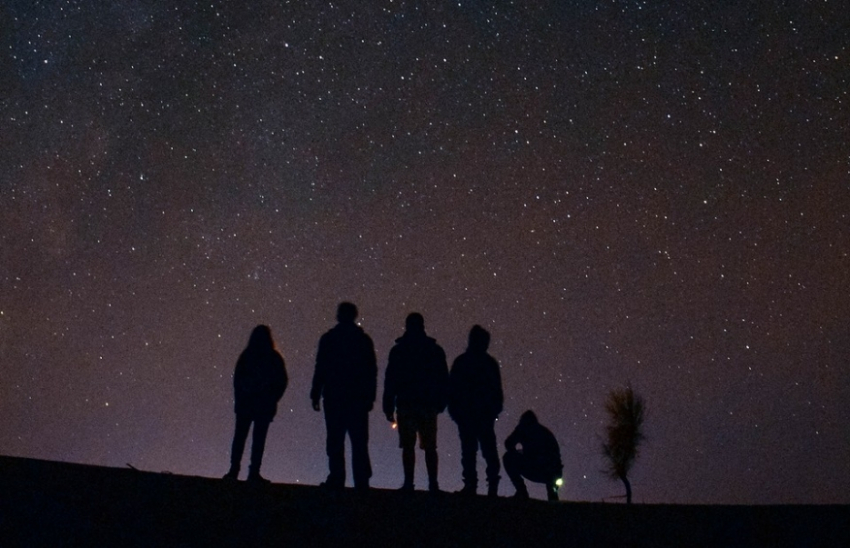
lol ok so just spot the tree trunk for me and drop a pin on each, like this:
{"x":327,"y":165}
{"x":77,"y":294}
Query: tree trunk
{"x":628,"y":489}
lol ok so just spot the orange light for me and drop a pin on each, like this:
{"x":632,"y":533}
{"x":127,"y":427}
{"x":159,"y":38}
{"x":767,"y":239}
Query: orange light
{"x":395,"y":425}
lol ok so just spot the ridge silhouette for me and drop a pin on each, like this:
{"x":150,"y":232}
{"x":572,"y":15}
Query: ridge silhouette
{"x":45,"y":503}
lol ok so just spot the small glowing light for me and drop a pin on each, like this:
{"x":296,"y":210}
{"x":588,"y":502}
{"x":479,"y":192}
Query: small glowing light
{"x":559,"y":482}
{"x":395,"y":425}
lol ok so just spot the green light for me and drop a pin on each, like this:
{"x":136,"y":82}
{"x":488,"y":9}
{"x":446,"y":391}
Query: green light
{"x":559,"y":482}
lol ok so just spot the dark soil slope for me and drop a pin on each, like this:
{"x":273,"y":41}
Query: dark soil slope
{"x":58,"y":504}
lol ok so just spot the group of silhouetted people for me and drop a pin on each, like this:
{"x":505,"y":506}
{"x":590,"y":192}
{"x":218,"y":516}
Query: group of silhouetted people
{"x":418,"y":386}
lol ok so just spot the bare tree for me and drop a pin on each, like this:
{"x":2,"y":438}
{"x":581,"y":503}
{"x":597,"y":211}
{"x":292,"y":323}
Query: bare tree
{"x":625,"y":415}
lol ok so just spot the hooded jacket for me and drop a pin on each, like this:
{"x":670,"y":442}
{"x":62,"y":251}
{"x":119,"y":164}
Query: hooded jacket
{"x":539,"y":447}
{"x":475,"y":387}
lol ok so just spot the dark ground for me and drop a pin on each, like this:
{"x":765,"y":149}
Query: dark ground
{"x":58,"y":504}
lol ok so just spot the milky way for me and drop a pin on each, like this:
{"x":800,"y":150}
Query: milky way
{"x":653,"y":193}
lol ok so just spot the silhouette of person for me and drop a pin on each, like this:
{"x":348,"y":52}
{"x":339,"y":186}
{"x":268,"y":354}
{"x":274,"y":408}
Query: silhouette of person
{"x":346,"y":378}
{"x":415,"y":389}
{"x":259,"y":382}
{"x":475,"y":401}
{"x":538,"y":461}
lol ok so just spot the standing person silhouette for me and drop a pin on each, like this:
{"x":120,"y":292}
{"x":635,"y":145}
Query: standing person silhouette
{"x":538,"y":461}
{"x":259,"y":382}
{"x":415,"y":386}
{"x":346,"y":379}
{"x":475,"y":401}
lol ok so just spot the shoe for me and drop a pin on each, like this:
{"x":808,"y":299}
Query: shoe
{"x":331,"y":486}
{"x":521,"y":495}
{"x":257,"y":478}
{"x":467,"y":490}
{"x":406,"y":488}
{"x":434,"y":488}
{"x":232,"y":475}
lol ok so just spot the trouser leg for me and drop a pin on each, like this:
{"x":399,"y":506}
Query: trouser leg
{"x":428,"y":442}
{"x":546,"y":475}
{"x":468,"y":454}
{"x":335,"y":447}
{"x":489,"y":451}
{"x":513,"y":468}
{"x":243,"y":424}
{"x":408,"y":463}
{"x":432,"y":461}
{"x":258,"y":445}
{"x":552,"y":491}
{"x":407,"y":433}
{"x":361,"y":466}
{"x":487,"y":439}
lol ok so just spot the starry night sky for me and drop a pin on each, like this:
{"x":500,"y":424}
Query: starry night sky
{"x":646,"y":192}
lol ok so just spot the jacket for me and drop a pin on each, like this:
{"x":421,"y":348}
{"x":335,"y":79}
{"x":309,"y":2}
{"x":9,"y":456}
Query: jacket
{"x":259,"y":382}
{"x":346,"y":373}
{"x":416,"y":380}
{"x":539,"y":446}
{"x":475,"y":388}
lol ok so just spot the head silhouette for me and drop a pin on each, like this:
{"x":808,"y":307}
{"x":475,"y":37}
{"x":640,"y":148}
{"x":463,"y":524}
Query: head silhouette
{"x":528,"y":418}
{"x":346,"y":312}
{"x":261,"y":339}
{"x":479,"y":339}
{"x":414,"y":323}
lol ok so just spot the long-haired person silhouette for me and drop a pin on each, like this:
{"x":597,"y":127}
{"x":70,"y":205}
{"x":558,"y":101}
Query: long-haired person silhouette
{"x":259,"y":382}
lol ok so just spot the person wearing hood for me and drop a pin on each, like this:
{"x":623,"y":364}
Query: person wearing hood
{"x":475,"y":401}
{"x":346,"y":379}
{"x":538,"y":460}
{"x":415,"y":392}
{"x":259,"y":382}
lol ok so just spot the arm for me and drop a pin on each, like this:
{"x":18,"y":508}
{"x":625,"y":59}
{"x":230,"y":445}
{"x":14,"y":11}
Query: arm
{"x":498,"y":394}
{"x":319,"y":373}
{"x":512,"y":440}
{"x":452,"y":392}
{"x":556,"y":451}
{"x":239,"y":387}
{"x":281,"y":380}
{"x":442,"y":396}
{"x":372,"y":367}
{"x":390,"y":387}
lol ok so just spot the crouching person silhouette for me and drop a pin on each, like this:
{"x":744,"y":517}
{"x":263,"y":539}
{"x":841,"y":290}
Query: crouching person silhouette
{"x":259,"y":382}
{"x":539,"y":460}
